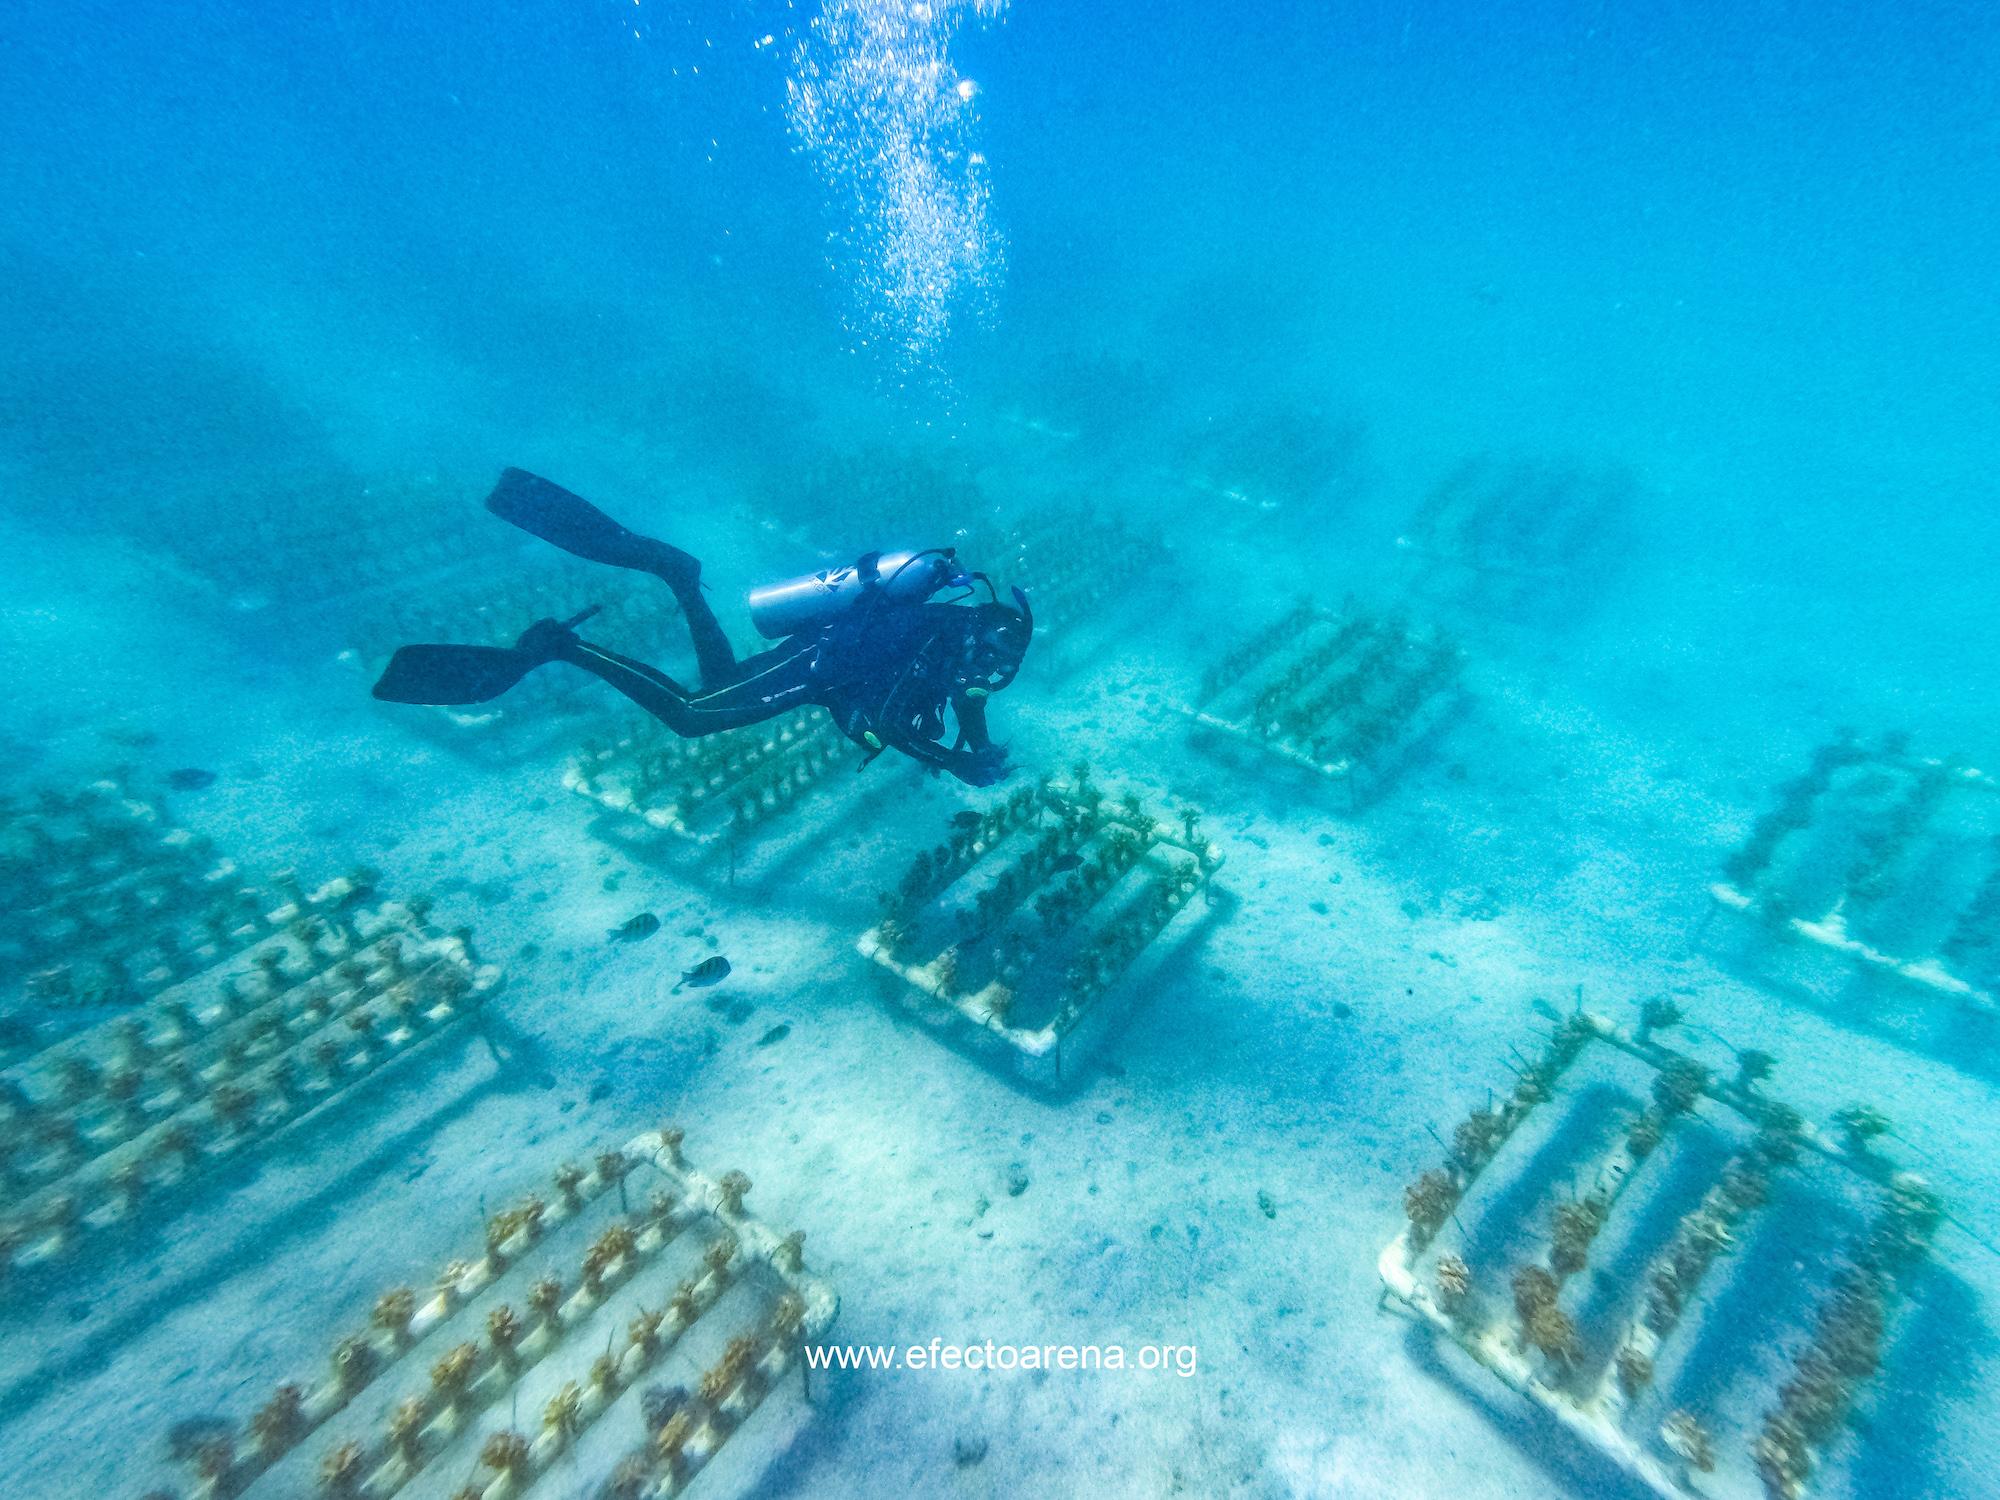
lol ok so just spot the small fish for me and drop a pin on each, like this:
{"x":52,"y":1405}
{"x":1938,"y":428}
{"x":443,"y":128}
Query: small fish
{"x":190,"y":779}
{"x":966,"y":819}
{"x":776,"y":1034}
{"x":709,"y":971}
{"x":1065,"y":862}
{"x":642,"y":926}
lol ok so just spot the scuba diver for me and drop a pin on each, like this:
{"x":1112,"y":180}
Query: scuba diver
{"x":868,"y":643}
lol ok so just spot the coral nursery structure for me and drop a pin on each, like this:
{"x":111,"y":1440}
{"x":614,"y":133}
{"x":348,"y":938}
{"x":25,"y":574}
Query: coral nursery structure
{"x":637,"y":615}
{"x":1513,"y":538}
{"x":303,"y":544}
{"x":1027,"y":917}
{"x":1655,"y":1203}
{"x":104,"y":1129}
{"x":1076,"y":563}
{"x":1274,"y":458}
{"x":1079,"y":569}
{"x":1884,"y":858}
{"x":555,"y":1341}
{"x":1347,"y":695}
{"x":736,"y":788}
{"x":106,"y":901}
{"x":874,"y":498}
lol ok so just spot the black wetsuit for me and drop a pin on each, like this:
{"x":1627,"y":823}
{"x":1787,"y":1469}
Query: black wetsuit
{"x":886,"y":672}
{"x":887,"y":667}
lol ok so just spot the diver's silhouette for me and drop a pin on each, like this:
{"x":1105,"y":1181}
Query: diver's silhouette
{"x":868,"y":643}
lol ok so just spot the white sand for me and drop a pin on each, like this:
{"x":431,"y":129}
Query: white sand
{"x":1371,"y":982}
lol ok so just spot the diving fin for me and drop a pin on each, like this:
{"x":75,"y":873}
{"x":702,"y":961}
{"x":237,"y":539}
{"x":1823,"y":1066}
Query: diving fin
{"x":452,"y":675}
{"x":572,"y":523}
{"x":447,"y":676}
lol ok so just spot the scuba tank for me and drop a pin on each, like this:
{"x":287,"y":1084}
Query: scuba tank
{"x":808,"y":603}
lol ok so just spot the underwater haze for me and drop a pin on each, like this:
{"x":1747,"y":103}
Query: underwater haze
{"x":1412,"y":909}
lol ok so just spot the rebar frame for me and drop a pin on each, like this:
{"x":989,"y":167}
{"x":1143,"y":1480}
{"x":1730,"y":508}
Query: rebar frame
{"x":724,"y":787}
{"x":1883,"y":868}
{"x":1104,"y":885}
{"x":1528,"y":1357}
{"x":1344,"y":695}
{"x":575,"y":1328}
{"x":97,"y":1129}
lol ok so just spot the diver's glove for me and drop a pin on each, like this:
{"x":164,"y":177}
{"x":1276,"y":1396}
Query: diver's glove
{"x":983,"y":766}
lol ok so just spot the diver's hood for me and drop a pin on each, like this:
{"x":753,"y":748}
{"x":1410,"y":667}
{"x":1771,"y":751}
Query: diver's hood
{"x":1000,"y":644}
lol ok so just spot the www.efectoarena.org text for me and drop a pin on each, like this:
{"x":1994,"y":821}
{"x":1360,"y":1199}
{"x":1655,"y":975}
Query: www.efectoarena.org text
{"x":1179,"y":1359}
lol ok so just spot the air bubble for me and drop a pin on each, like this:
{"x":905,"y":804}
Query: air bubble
{"x":875,"y":100}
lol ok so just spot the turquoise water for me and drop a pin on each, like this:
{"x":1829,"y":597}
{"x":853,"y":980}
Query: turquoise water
{"x":1620,"y":384}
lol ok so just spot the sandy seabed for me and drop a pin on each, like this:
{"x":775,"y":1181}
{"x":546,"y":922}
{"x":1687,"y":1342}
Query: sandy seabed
{"x":1222,"y":1174}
